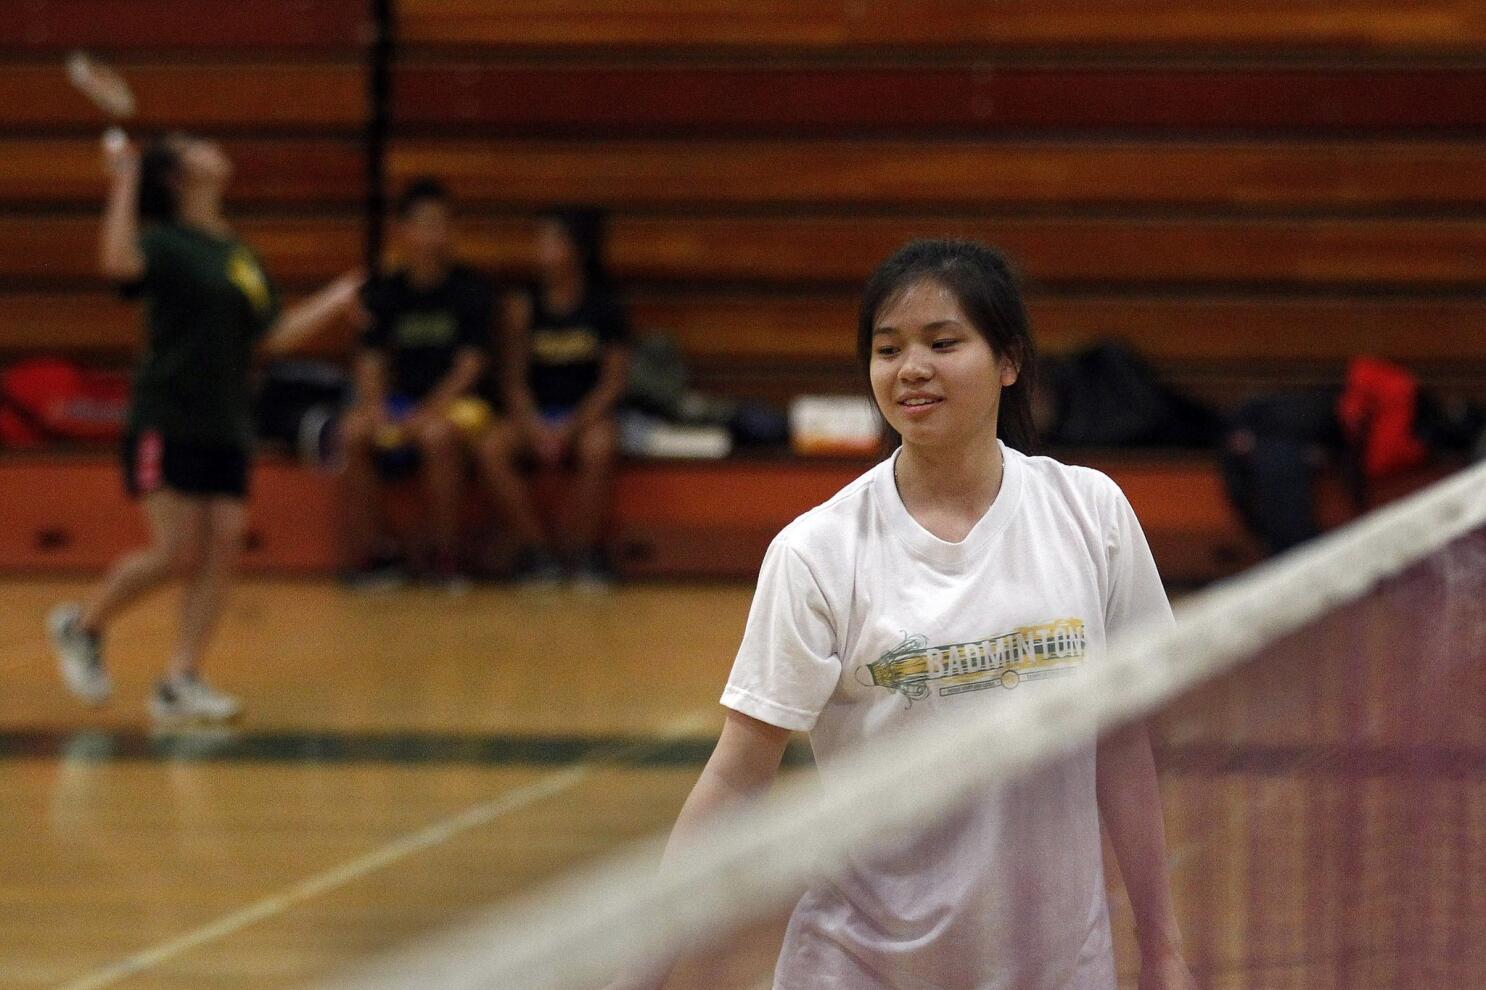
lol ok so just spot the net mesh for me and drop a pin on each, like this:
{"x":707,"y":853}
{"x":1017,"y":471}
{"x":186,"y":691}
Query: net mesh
{"x":1319,"y":727}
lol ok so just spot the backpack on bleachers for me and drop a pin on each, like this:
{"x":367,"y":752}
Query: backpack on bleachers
{"x":49,"y":400}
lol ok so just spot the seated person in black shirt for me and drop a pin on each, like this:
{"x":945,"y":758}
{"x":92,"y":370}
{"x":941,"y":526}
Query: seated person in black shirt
{"x":564,"y":371}
{"x":426,"y":336}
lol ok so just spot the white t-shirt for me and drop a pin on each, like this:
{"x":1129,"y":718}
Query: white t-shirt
{"x":864,"y":624}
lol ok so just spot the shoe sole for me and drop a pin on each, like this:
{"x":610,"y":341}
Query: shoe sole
{"x":183,"y":720}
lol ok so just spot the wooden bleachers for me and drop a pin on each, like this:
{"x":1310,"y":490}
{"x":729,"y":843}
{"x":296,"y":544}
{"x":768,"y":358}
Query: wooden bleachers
{"x":1092,"y":253}
{"x":1248,"y":196}
{"x":883,"y":174}
{"x":1305,"y":189}
{"x":282,"y":83}
{"x":666,"y":519}
{"x":53,"y":251}
{"x":163,"y":26}
{"x":313,"y":174}
{"x":289,"y":99}
{"x":1081,"y":25}
{"x":952,"y":95}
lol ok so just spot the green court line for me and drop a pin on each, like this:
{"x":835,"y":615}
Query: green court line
{"x":332,"y":748}
{"x":327,"y":748}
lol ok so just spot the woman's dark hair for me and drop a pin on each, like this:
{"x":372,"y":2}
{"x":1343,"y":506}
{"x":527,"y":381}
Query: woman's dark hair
{"x":159,"y":165}
{"x":988,"y":293}
{"x":586,"y":229}
{"x":423,"y":189}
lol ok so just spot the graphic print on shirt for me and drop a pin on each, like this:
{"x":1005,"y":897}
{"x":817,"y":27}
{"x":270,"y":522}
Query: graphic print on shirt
{"x":243,"y":272}
{"x":426,"y":328}
{"x":570,"y":345}
{"x":913,"y":668}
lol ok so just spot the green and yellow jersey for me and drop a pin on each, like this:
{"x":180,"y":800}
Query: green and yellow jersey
{"x":208,"y":300}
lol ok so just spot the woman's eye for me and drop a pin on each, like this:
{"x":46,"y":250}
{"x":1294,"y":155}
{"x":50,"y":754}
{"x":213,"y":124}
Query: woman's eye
{"x":886,"y":351}
{"x":945,"y":343}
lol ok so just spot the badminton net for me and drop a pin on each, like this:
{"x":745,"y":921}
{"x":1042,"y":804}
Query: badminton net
{"x":1319,"y":726}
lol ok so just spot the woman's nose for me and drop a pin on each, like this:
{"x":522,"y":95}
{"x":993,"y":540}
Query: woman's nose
{"x":915,"y":367}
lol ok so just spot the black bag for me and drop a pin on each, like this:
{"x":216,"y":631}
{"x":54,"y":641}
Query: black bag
{"x":1107,"y":396}
{"x":299,"y":404}
{"x":1275,"y":448}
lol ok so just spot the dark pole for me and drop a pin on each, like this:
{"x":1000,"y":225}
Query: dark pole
{"x":379,"y":98}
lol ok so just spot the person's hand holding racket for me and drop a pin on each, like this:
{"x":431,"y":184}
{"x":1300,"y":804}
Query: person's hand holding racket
{"x":120,"y":155}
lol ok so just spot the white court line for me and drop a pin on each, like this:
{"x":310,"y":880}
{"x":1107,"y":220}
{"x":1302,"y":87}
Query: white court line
{"x":399,"y":849}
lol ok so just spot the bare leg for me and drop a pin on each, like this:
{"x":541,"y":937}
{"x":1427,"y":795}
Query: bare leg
{"x":442,"y":468}
{"x":594,"y":451}
{"x":207,"y":589}
{"x":498,"y":455}
{"x":361,"y":485}
{"x":176,"y":522}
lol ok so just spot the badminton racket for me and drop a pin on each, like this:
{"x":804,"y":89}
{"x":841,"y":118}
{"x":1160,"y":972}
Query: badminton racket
{"x":107,"y":90}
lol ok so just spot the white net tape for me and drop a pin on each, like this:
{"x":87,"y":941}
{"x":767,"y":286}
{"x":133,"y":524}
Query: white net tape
{"x":579,"y":931}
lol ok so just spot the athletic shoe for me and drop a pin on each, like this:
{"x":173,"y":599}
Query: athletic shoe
{"x":536,"y":568}
{"x":190,"y":699}
{"x":79,"y":655}
{"x":592,"y":573}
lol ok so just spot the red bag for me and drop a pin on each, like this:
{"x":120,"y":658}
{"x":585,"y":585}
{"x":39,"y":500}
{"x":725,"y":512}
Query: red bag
{"x":1377,"y":411}
{"x":43,"y":400}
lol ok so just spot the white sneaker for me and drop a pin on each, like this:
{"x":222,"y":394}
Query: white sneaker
{"x":79,"y":655}
{"x":190,"y":699}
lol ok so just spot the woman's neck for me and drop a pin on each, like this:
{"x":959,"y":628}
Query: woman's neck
{"x":563,"y":288}
{"x":961,"y":481}
{"x":427,"y":273}
{"x":203,"y":211}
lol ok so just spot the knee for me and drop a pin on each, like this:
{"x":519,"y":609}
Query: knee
{"x":499,"y":446}
{"x":225,"y":543}
{"x":177,"y":555}
{"x":437,"y":438}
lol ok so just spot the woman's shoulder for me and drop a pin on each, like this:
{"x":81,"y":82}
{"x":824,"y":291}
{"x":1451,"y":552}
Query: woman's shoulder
{"x":1049,"y":477}
{"x":831,"y":525}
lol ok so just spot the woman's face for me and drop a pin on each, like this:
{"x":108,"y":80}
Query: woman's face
{"x":202,"y":162}
{"x":936,"y":379}
{"x":555,"y":251}
{"x":427,"y":231}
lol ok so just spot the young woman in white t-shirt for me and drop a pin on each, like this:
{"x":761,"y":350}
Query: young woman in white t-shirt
{"x":959,"y":572}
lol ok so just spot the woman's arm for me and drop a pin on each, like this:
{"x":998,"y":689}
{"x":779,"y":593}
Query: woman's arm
{"x":741,"y":768}
{"x":613,"y":376}
{"x":302,"y":321}
{"x":462,"y":377}
{"x":119,"y":257}
{"x":1130,"y":805}
{"x":514,"y":388}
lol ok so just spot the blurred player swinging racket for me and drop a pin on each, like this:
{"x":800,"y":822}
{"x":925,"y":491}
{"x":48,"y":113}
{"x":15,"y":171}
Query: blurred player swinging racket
{"x":186,"y":449}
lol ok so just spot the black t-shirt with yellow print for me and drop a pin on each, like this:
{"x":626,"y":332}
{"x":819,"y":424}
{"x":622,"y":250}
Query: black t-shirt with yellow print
{"x":565,"y":352}
{"x":422,"y":330}
{"x":208,"y":301}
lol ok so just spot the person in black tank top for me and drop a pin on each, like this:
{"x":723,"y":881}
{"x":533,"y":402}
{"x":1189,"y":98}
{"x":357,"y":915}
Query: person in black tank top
{"x":564,"y":372}
{"x":166,"y":240}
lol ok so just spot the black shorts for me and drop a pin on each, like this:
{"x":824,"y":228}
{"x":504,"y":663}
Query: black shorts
{"x":152,"y":463}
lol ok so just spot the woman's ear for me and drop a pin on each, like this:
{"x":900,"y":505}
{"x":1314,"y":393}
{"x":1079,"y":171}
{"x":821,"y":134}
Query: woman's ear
{"x":1009,"y":373}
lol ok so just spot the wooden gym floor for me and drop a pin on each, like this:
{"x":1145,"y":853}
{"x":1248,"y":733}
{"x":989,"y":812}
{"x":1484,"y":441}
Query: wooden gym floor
{"x":549,"y":727}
